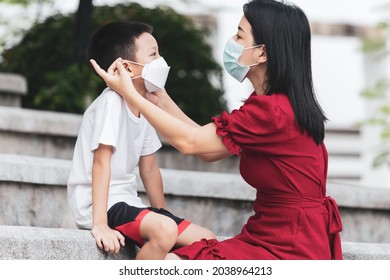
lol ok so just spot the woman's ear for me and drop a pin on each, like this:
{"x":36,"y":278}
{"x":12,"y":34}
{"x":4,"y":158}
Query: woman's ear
{"x":262,"y":54}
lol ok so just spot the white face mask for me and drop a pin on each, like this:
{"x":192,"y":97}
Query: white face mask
{"x":155,"y":74}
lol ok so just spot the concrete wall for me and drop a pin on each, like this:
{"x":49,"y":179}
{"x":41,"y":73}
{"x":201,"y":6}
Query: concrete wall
{"x":53,"y":135}
{"x":12,"y":88}
{"x":33,"y":193}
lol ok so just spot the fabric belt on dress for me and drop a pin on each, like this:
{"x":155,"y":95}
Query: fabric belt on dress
{"x":334,"y":224}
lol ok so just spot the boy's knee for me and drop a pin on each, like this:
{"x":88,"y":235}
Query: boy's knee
{"x":164,"y":233}
{"x":167,"y":228}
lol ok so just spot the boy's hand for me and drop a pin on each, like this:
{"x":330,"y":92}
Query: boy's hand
{"x":107,"y":238}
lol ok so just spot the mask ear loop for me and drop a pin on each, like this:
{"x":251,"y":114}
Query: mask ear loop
{"x":140,"y":64}
{"x":253,"y":47}
{"x":136,"y":63}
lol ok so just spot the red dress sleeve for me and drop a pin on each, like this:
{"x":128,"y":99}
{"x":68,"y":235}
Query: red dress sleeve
{"x":259,"y":124}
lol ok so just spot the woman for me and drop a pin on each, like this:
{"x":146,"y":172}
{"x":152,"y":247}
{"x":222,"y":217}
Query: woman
{"x":278,"y":134}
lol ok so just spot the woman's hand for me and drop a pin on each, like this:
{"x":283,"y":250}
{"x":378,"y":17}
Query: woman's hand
{"x":118,"y":79}
{"x":157,"y":97}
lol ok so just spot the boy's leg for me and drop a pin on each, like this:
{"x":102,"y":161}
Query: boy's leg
{"x":161,"y":234}
{"x":187,"y":231}
{"x":174,"y":257}
{"x":140,"y":224}
{"x":193,"y":233}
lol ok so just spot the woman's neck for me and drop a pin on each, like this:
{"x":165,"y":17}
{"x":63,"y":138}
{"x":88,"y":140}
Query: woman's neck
{"x":258,"y":80}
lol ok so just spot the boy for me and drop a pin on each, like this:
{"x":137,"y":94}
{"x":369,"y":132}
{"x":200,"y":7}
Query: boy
{"x":113,"y":139}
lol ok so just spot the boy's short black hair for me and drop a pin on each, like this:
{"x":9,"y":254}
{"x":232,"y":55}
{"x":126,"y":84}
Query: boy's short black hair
{"x":115,"y":39}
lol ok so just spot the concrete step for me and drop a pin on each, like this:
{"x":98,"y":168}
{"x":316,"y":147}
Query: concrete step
{"x":33,"y":193}
{"x":35,"y":243}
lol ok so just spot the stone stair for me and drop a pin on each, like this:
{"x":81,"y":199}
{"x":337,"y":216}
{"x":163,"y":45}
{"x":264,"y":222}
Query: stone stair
{"x":34,"y":243}
{"x":33,"y":193}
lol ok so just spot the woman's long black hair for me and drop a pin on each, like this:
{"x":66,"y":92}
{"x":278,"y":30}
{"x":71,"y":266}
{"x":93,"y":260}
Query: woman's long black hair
{"x":285,"y":32}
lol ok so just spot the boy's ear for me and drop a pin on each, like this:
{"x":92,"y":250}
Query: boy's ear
{"x":128,"y":66}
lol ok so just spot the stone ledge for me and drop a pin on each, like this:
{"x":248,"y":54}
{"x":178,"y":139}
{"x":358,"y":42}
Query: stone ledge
{"x":13,"y":83}
{"x":33,"y":243}
{"x":366,"y":251}
{"x":39,"y":122}
{"x":53,"y":134}
{"x":35,"y":170}
{"x":47,"y":171}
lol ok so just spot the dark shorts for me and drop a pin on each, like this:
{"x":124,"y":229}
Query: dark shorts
{"x":127,"y":220}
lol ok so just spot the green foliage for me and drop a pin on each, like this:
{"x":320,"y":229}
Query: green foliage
{"x":376,"y":44}
{"x":381,"y":118}
{"x":78,"y":84}
{"x":45,"y":57}
{"x":380,"y":95}
{"x":16,"y":26}
{"x":371,"y":45}
{"x":25,"y":2}
{"x":376,"y":92}
{"x":21,"y":2}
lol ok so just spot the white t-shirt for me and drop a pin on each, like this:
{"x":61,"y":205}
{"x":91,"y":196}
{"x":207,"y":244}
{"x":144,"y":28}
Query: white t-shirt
{"x":109,"y":121}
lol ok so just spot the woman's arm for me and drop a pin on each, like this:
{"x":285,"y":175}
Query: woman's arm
{"x":188,"y":139}
{"x":151,"y":178}
{"x":162,"y":100}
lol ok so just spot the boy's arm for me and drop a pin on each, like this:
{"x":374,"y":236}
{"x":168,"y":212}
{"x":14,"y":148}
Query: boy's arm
{"x":151,"y":178}
{"x":105,"y":237}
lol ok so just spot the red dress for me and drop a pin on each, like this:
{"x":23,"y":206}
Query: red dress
{"x":294,"y":219}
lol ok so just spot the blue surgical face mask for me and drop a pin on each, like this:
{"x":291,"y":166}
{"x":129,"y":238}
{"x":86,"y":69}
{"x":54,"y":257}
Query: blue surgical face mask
{"x":231,"y":54}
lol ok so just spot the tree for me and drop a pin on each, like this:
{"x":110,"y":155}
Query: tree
{"x":17,"y":26}
{"x":45,"y":56}
{"x":83,"y":20}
